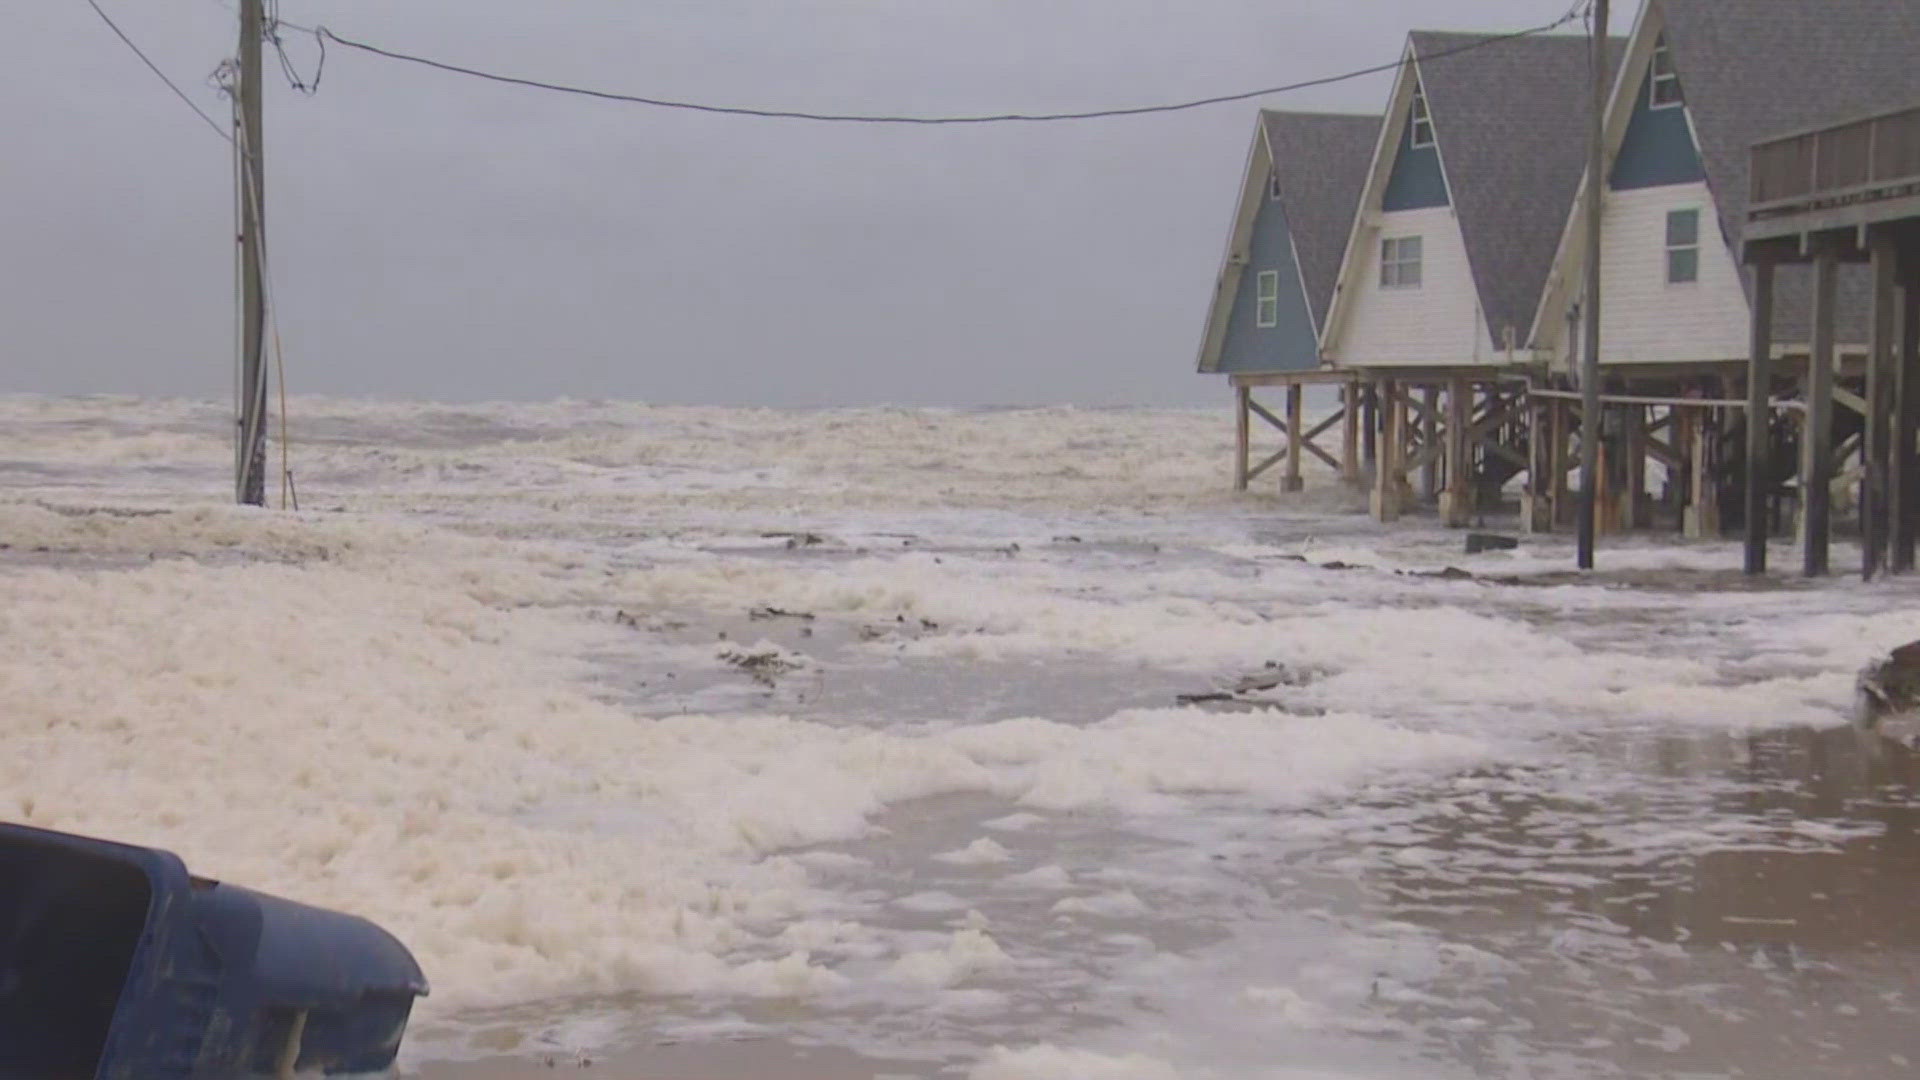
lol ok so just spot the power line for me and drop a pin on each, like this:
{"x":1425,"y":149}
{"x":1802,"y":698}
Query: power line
{"x":325,"y":34}
{"x":151,"y":66}
{"x":287,"y":68}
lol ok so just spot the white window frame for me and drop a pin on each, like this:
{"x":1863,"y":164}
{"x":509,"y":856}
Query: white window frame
{"x":1398,"y":270}
{"x":1266,"y":304}
{"x":1421,"y":118}
{"x":1674,"y":249}
{"x":1664,"y":75}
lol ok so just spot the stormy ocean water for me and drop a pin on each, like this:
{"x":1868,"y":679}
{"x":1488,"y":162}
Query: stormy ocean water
{"x":698,"y":743}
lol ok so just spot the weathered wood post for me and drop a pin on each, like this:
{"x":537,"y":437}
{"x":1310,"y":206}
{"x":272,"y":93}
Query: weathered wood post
{"x":1632,"y":515}
{"x":1703,"y":516}
{"x":1429,"y":429}
{"x":1243,"y":435}
{"x":1296,"y":438}
{"x":1816,"y":461}
{"x":1350,"y":433}
{"x":1559,"y":458}
{"x":1387,"y":477}
{"x":1903,"y":478}
{"x":1371,"y":428}
{"x":1686,"y":473}
{"x":1456,"y":503}
{"x":1759,"y":416}
{"x":1535,"y":516}
{"x":1877,"y":445}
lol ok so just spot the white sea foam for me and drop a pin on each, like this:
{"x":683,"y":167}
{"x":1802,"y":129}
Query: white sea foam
{"x":411,"y":700}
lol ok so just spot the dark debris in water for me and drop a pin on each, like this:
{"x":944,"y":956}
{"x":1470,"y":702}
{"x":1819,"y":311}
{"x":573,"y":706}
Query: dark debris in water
{"x":762,"y":614}
{"x":1274,"y":676}
{"x":764,"y":666}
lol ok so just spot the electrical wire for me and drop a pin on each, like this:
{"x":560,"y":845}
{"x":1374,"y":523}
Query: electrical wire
{"x":155,"y":68}
{"x":324,"y":34}
{"x":287,"y":66}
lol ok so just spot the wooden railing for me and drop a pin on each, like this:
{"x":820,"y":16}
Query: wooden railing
{"x":1855,"y":162}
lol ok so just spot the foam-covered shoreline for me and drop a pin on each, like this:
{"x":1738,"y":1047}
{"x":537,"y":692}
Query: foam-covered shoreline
{"x":397,"y":702}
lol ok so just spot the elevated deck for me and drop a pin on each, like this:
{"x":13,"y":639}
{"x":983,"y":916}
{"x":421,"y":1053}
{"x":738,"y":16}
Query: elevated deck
{"x":1845,"y":176}
{"x":1848,"y":192}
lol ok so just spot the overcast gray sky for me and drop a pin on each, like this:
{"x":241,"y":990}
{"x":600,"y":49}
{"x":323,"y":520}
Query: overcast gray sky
{"x":435,"y":236}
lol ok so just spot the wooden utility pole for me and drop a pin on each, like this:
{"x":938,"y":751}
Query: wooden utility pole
{"x":1590,"y":352}
{"x":250,"y":448}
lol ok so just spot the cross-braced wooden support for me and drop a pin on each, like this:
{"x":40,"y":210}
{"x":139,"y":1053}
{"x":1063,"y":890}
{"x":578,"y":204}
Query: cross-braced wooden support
{"x":1297,"y":439}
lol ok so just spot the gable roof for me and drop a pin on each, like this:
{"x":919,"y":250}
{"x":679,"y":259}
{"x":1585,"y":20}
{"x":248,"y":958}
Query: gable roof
{"x":1759,"y":68}
{"x":1511,"y":120}
{"x":1753,"y":70}
{"x":1321,"y":161}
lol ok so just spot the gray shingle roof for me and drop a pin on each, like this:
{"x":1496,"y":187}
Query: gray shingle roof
{"x":1758,"y":68}
{"x":1511,"y":121}
{"x":1321,"y":160}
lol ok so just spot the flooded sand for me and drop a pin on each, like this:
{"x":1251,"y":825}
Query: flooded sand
{"x":1574,"y":924}
{"x":693,"y":743}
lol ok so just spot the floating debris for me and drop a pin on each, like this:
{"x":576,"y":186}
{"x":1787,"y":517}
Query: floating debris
{"x":1449,"y":573}
{"x":762,"y":614}
{"x":1273,"y":677}
{"x":635,"y":622}
{"x":1211,"y":697}
{"x":763,"y":665}
{"x":796,"y":539}
{"x":1482,"y":542}
{"x":1887,"y":696}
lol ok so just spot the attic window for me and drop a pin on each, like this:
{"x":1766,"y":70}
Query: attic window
{"x":1267,"y":310}
{"x":1665,"y":93}
{"x":1273,"y":186}
{"x":1422,"y":121}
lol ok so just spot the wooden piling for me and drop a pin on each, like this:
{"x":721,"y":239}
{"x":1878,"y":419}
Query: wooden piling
{"x":1875,"y":449}
{"x":1635,"y":491}
{"x":1759,"y":417}
{"x":1703,"y":511}
{"x":1243,"y":435}
{"x":1429,"y":429}
{"x":1350,"y":433}
{"x":1816,"y":464}
{"x":1535,"y":515}
{"x":1456,"y":503}
{"x":1559,"y":456}
{"x":1370,"y":427}
{"x":1387,"y":477}
{"x":1296,"y":438}
{"x":1903,"y":474}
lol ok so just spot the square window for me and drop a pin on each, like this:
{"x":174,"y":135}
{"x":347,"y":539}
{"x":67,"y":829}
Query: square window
{"x":1683,"y":228}
{"x":1683,"y":247}
{"x":1683,"y":266}
{"x":1267,"y":305}
{"x":1400,"y":262}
